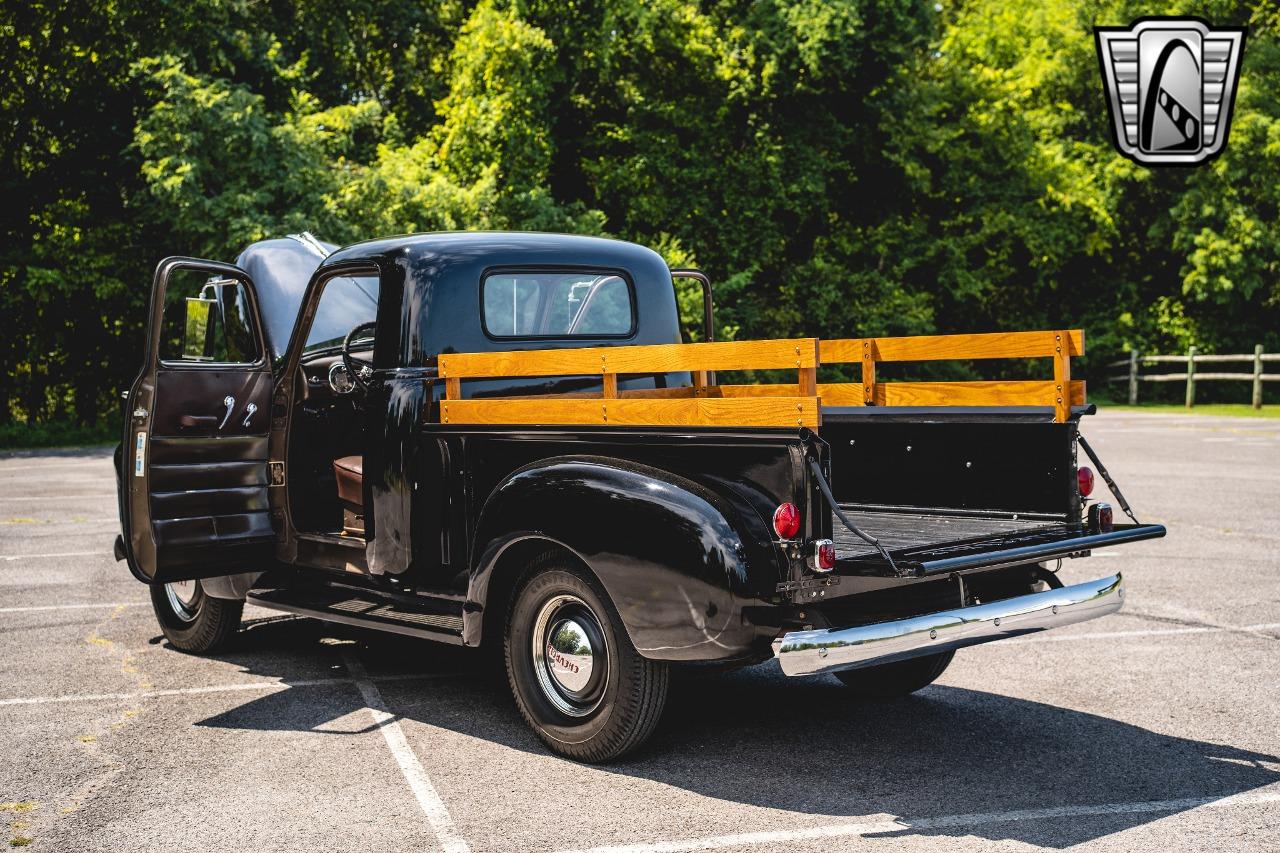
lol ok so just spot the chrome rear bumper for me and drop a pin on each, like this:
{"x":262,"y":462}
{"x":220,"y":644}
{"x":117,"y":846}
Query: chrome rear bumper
{"x":811,"y":652}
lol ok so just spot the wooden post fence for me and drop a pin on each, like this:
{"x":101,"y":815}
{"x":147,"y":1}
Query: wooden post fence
{"x":1257,"y":376}
{"x":1193,"y":375}
{"x":1133,"y":377}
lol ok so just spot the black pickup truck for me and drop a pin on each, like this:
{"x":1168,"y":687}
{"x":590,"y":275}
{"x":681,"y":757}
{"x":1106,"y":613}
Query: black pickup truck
{"x":499,"y":440}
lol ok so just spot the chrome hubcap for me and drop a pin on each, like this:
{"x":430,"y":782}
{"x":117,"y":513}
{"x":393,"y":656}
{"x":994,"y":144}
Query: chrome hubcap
{"x":570,"y":658}
{"x":184,"y":598}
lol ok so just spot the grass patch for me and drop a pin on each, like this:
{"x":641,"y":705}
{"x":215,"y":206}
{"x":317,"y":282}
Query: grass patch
{"x":56,"y":434}
{"x":20,"y":435}
{"x":1222,"y":410}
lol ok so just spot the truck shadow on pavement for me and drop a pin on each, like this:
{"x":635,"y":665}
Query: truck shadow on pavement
{"x":802,"y":745}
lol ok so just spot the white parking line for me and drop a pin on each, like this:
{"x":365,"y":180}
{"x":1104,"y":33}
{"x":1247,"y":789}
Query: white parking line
{"x":1150,"y":632}
{"x":84,"y":463}
{"x":904,"y":826}
{"x":61,"y":498}
{"x":177,"y":691}
{"x":432,"y":806}
{"x":11,"y":557}
{"x":35,"y":608}
{"x":248,"y":687}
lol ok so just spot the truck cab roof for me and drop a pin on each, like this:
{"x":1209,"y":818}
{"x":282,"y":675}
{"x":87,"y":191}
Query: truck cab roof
{"x":439,"y":276}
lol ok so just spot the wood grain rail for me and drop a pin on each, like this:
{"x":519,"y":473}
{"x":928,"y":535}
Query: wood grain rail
{"x":1061,"y":393}
{"x":667,"y":407}
{"x":999,"y":392}
{"x":776,"y":405}
{"x":657,"y":358}
{"x":952,"y":347}
{"x":631,"y":411}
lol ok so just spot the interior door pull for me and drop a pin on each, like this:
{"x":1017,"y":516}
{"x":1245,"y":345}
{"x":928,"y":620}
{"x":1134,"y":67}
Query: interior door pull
{"x":248,"y":414}
{"x":230,"y":403}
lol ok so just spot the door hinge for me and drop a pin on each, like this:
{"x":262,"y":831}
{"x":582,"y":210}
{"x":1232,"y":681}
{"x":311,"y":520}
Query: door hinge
{"x":140,"y":414}
{"x":275,"y":471}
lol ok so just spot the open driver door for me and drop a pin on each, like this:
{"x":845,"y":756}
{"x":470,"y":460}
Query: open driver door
{"x":194,"y":467}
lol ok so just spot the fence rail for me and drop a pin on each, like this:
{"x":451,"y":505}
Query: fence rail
{"x":1191,"y":375}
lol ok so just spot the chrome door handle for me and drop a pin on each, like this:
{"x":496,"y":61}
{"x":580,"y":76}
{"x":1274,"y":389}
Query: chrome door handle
{"x":230,"y":403}
{"x":248,"y":414}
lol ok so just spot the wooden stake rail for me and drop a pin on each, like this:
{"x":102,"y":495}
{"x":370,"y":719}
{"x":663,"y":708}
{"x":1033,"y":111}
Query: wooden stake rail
{"x":767,"y":405}
{"x":1060,"y":393}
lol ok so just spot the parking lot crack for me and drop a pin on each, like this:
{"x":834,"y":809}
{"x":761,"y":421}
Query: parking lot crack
{"x":1265,"y":632}
{"x":95,"y":740}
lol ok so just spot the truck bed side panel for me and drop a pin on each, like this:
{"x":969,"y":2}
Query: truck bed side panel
{"x":674,"y":526}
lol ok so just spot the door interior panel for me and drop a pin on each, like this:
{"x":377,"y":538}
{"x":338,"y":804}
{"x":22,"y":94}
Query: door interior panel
{"x":208,"y":502}
{"x":200,"y":393}
{"x":208,"y":472}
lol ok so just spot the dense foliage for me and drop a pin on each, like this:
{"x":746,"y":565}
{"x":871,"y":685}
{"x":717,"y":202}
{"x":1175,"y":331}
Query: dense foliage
{"x":838,"y":166}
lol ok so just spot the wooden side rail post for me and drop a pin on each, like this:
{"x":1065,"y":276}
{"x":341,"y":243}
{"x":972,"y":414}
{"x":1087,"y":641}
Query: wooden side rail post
{"x":1061,"y":376}
{"x":673,"y":407}
{"x":1060,"y":394}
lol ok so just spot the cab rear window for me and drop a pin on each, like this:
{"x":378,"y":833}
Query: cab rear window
{"x":551,"y":304}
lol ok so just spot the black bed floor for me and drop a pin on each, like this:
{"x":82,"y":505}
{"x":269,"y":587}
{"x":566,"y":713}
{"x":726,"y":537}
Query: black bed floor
{"x":899,"y":531}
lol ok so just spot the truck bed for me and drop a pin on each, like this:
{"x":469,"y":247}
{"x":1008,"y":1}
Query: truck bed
{"x":901,"y":532}
{"x":925,"y":544}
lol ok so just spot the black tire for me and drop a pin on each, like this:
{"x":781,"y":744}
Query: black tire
{"x":897,"y":679}
{"x":615,"y":711}
{"x":203,"y":625}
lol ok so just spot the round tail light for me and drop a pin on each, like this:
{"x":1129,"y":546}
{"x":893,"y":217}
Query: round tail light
{"x":786,"y":521}
{"x":1084,"y":477}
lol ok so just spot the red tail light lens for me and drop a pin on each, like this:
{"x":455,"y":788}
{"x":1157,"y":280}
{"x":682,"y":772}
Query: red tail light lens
{"x":1084,"y":476}
{"x":786,"y":521}
{"x":1101,"y":518}
{"x":824,"y":555}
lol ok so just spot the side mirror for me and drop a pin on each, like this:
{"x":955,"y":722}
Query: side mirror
{"x":195,"y":338}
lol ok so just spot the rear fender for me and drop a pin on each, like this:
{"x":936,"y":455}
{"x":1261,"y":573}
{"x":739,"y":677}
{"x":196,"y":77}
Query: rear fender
{"x":666,"y":550}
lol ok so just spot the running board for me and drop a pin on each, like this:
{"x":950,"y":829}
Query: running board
{"x":363,"y":609}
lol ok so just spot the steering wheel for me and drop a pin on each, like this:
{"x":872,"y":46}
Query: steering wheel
{"x":362,"y":374}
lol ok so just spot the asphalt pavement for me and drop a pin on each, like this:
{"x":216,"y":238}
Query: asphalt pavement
{"x":1154,"y":729}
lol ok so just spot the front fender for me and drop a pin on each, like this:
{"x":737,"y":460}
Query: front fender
{"x":665,"y":548}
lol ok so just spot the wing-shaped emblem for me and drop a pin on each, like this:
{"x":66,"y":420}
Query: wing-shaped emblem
{"x":1170,"y":86}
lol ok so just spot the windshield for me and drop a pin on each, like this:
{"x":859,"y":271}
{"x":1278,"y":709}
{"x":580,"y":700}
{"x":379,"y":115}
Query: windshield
{"x":346,"y":302}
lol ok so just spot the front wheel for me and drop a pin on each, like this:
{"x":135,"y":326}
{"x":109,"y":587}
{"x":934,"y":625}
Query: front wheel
{"x":897,"y":679}
{"x":191,"y":620}
{"x":578,"y":681}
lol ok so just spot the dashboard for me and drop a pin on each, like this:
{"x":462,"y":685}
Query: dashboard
{"x":327,"y":380}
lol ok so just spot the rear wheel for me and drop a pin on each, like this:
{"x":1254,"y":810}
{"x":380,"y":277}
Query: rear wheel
{"x":191,"y":620}
{"x":577,"y":679}
{"x":897,"y":679}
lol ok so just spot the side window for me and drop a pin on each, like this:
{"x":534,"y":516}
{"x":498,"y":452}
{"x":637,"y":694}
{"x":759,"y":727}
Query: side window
{"x":206,"y":320}
{"x":557,"y":305}
{"x":345,"y":302}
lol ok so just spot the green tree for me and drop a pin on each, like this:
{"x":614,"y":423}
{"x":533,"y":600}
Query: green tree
{"x":839,"y":167}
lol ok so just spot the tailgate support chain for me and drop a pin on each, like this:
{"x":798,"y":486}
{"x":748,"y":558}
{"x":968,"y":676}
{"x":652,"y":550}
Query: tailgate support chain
{"x":1111,"y":484}
{"x":853,"y":528}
